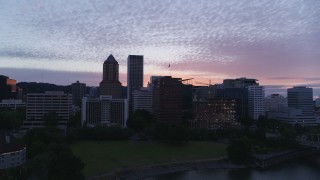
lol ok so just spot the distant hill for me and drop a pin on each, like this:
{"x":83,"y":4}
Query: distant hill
{"x":33,"y":87}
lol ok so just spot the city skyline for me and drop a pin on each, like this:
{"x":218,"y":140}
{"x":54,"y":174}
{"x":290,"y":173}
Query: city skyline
{"x":62,"y":42}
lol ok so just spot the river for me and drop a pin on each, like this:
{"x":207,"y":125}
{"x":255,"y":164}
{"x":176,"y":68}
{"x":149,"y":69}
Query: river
{"x":307,"y":168}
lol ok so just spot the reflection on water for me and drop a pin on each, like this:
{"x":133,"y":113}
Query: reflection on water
{"x":307,"y":168}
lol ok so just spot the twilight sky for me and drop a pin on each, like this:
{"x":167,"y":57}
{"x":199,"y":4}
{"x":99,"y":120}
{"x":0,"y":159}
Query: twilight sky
{"x":277,"y":42}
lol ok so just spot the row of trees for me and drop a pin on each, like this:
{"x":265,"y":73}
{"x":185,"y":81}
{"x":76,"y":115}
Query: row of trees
{"x":11,"y":118}
{"x":48,"y":157}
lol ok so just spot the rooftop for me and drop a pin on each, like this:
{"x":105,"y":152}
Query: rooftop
{"x":110,"y":59}
{"x":9,"y":143}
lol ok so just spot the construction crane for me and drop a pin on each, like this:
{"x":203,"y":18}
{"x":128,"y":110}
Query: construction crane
{"x":187,"y":80}
{"x":209,"y":87}
{"x":208,"y":84}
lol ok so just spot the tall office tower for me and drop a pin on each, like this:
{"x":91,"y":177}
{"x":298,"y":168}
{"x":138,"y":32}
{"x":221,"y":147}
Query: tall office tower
{"x":167,"y":99}
{"x":110,"y":84}
{"x":8,"y":88}
{"x":256,"y":101}
{"x":104,"y":111}
{"x":135,"y":76}
{"x":237,"y":89}
{"x":40,"y":104}
{"x":78,"y":92}
{"x":142,"y":99}
{"x":300,"y":98}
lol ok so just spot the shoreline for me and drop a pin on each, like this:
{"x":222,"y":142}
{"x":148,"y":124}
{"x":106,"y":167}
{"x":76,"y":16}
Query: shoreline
{"x":258,"y":161}
{"x":166,"y":168}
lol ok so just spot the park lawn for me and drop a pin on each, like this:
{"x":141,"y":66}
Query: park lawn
{"x":102,"y":156}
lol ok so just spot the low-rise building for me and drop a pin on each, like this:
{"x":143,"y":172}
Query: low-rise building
{"x":104,"y":111}
{"x":40,"y":104}
{"x":142,"y":99}
{"x":12,"y":103}
{"x":12,"y":152}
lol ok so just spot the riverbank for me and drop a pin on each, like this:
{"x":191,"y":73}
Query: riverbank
{"x":107,"y":156}
{"x":258,"y":161}
{"x":160,"y":169}
{"x":267,"y":160}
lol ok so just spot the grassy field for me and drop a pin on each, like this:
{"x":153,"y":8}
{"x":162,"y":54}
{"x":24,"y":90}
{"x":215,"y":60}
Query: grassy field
{"x":104,"y":156}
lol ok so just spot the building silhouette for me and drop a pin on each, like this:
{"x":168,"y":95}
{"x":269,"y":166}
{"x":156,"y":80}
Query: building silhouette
{"x":300,"y":107}
{"x":8,"y":88}
{"x":78,"y":92}
{"x":214,"y":113}
{"x":12,"y":152}
{"x":142,"y":99}
{"x":134,"y":77}
{"x":104,"y":111}
{"x":110,"y":84}
{"x":256,"y":101}
{"x":275,"y":103}
{"x":301,"y":98}
{"x":41,"y":104}
{"x":167,"y":100}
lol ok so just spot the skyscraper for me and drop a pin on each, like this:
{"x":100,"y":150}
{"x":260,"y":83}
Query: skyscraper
{"x":135,"y":76}
{"x":78,"y":92}
{"x":256,"y":101}
{"x":300,"y":107}
{"x":300,"y":98}
{"x":110,"y":84}
{"x":167,"y":100}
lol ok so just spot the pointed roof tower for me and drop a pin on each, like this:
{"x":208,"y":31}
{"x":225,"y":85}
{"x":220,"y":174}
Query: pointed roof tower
{"x":110,"y":59}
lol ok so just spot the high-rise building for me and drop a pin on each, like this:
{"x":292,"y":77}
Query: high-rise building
{"x":167,"y":99}
{"x":301,"y":98}
{"x":256,"y":101}
{"x":104,"y":111}
{"x":135,"y":76}
{"x":40,"y":104}
{"x":142,"y":99}
{"x":78,"y":92}
{"x":237,"y":89}
{"x":240,"y":95}
{"x":110,"y":84}
{"x":214,"y":113}
{"x":8,"y":88}
{"x":300,"y":107}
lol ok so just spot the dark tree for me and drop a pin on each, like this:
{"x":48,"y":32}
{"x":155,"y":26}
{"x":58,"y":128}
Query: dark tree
{"x":240,"y":150}
{"x":173,"y":134}
{"x":140,"y":120}
{"x":10,"y":119}
{"x":57,"y":162}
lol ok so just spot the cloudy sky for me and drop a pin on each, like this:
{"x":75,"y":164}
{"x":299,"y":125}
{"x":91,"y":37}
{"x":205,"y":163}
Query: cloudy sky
{"x":275,"y":41}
